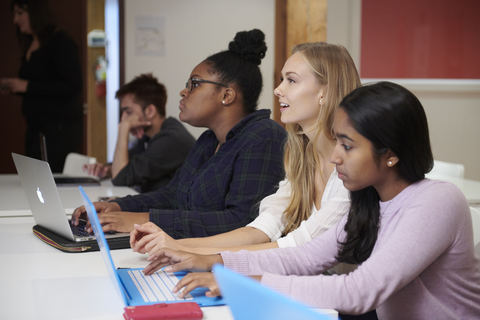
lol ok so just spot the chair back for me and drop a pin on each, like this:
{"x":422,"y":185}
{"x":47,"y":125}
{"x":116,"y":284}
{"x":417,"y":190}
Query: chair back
{"x":446,"y":169}
{"x":74,"y":163}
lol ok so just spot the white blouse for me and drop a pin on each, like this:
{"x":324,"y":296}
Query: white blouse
{"x":334,"y":205}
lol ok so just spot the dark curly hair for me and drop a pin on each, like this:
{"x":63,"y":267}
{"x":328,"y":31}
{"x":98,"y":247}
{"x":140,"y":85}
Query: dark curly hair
{"x":239,"y":65}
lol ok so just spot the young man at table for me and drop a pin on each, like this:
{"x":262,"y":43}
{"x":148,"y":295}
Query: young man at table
{"x":162,"y":145}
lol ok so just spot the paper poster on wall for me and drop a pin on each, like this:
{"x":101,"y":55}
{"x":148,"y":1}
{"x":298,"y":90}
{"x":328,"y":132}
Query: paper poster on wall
{"x":150,"y":36}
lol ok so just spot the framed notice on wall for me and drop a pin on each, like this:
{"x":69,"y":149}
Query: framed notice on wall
{"x":437,"y":39}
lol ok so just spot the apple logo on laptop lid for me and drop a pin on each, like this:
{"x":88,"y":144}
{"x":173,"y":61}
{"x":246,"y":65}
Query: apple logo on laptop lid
{"x":40,"y":196}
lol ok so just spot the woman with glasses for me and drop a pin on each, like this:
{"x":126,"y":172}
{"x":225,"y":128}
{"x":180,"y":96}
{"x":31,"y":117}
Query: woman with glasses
{"x":232,"y":166}
{"x":311,"y":199}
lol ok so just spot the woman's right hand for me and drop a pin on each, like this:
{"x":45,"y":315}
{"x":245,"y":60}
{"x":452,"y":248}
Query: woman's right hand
{"x":149,"y":237}
{"x":100,"y":206}
{"x":179,"y":260}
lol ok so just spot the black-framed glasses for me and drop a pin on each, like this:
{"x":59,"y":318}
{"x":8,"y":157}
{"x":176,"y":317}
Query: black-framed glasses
{"x":192,"y":83}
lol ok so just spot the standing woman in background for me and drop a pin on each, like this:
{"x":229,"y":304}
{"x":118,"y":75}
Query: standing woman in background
{"x":50,"y":82}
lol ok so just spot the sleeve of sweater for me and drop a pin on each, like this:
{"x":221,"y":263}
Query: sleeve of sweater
{"x":406,"y":248}
{"x":311,"y":258}
{"x":161,"y":158}
{"x":257,"y":171}
{"x":164,"y":197}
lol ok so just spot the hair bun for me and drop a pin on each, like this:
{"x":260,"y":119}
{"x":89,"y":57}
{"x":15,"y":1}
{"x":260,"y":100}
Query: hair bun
{"x":249,"y":45}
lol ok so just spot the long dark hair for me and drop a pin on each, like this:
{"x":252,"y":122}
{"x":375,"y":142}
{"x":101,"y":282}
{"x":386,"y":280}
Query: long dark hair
{"x":391,"y":118}
{"x":41,"y":22}
{"x":239,"y":65}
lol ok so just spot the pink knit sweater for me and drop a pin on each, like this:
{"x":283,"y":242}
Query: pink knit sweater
{"x":422,"y":266}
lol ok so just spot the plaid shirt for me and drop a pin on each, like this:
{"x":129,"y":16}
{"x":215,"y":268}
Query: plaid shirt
{"x":218,"y":192}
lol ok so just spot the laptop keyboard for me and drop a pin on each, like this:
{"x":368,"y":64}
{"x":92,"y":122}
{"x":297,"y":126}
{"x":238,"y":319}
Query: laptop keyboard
{"x":156,"y":287}
{"x":79,"y":230}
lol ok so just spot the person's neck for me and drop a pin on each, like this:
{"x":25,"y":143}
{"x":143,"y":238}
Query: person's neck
{"x":390,"y":187}
{"x":225,"y":122}
{"x":156,"y":126}
{"x":325,"y":145}
{"x":309,"y":131}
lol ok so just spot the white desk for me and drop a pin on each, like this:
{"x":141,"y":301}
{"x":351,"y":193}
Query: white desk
{"x":14,"y":203}
{"x":40,"y":282}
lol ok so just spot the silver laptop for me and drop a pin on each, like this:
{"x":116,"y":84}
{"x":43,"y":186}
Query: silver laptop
{"x":42,"y":195}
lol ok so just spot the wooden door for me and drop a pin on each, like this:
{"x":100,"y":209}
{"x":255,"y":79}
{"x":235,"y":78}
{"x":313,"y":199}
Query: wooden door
{"x":296,"y":21}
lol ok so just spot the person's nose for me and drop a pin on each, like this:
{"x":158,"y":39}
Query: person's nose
{"x":183,"y":92}
{"x":277,"y":91}
{"x":335,"y":157}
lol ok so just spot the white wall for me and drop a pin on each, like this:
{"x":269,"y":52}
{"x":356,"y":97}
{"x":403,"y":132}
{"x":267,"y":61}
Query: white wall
{"x":452,"y":106}
{"x":194,"y":30}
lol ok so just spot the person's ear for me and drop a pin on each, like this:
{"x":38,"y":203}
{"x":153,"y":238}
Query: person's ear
{"x":321,"y":95}
{"x":229,"y":96}
{"x":150,"y":111}
{"x":392,"y":160}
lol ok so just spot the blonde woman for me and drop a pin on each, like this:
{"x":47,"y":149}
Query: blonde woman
{"x":311,"y":199}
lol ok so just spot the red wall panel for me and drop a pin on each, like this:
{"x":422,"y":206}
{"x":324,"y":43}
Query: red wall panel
{"x":420,"y":39}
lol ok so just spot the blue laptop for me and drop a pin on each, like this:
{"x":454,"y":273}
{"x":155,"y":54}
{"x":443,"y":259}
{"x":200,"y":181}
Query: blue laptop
{"x":132,"y":285}
{"x":249,"y":300}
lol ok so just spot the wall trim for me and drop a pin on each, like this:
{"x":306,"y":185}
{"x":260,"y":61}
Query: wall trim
{"x":435,"y":85}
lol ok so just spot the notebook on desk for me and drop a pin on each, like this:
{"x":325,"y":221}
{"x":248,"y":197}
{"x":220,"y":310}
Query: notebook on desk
{"x":132,"y":285}
{"x":53,"y":226}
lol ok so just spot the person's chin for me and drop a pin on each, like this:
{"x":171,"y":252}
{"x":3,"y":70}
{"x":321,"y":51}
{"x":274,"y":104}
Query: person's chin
{"x":182,"y":117}
{"x":352,"y":186}
{"x":285,"y":118}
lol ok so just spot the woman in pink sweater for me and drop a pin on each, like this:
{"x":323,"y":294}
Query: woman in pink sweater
{"x":411,"y":237}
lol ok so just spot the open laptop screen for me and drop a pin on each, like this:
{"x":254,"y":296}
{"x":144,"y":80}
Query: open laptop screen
{"x":103,"y":245}
{"x":135,"y":288}
{"x":249,"y":300}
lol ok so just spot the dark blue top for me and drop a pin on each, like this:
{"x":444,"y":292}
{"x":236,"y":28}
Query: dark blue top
{"x":218,"y":192}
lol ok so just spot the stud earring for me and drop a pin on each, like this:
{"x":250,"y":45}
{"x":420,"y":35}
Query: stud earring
{"x":223,"y":101}
{"x":389,"y":163}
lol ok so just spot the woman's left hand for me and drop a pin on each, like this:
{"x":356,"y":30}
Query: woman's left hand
{"x":197,"y":279}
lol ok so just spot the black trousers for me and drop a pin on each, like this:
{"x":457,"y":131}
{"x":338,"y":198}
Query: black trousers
{"x":61,"y":138}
